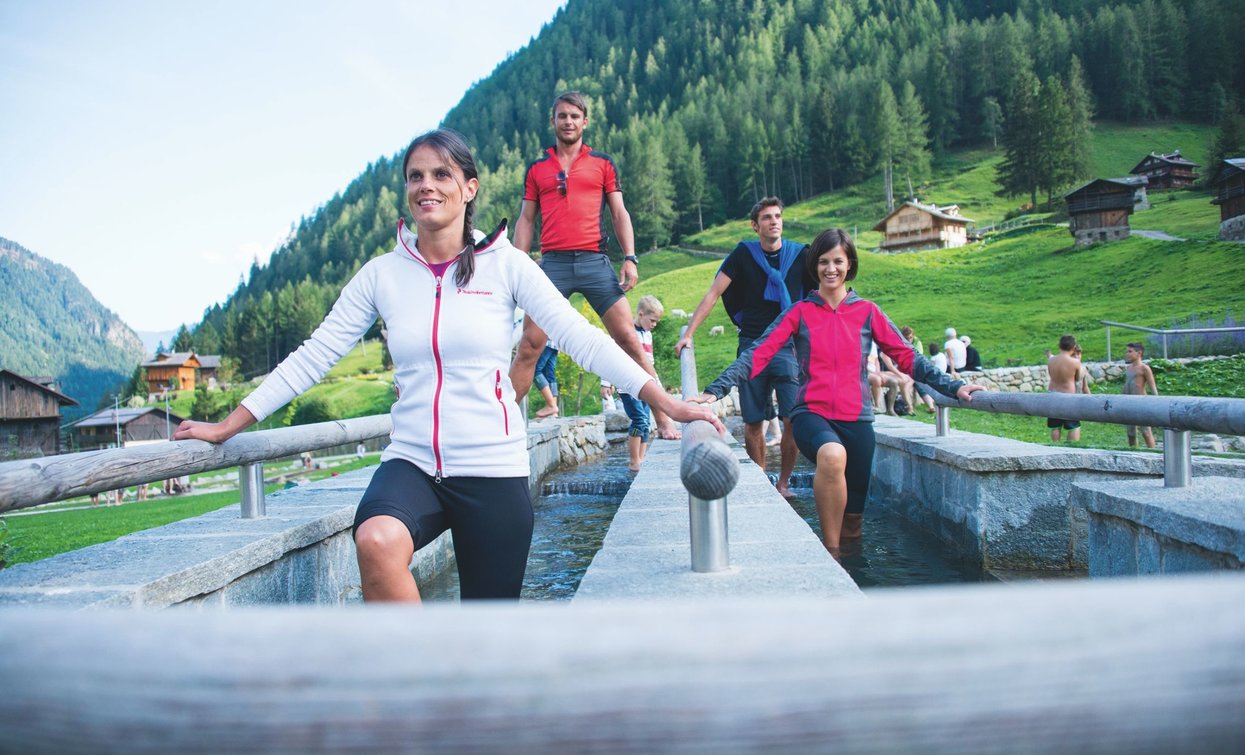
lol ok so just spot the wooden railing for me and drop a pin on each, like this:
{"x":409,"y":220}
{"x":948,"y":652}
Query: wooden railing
{"x":31,"y":482}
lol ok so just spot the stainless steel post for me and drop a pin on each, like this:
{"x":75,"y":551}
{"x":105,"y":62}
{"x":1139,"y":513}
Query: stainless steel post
{"x":251,"y":485}
{"x":942,"y":421}
{"x":710,"y":545}
{"x":1177,"y":459}
{"x":1108,"y":343}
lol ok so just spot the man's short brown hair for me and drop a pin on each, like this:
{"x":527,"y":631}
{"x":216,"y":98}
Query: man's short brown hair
{"x":1137,"y":346}
{"x":572,"y":98}
{"x":766,"y":202}
{"x":1067,"y":342}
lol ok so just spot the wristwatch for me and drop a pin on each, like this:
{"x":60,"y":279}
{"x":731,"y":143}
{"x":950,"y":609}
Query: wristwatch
{"x":632,"y":258}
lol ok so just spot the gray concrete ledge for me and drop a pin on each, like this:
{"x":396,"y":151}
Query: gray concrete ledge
{"x":300,"y":552}
{"x":1140,"y":527}
{"x":1005,"y":503}
{"x":647,"y":551}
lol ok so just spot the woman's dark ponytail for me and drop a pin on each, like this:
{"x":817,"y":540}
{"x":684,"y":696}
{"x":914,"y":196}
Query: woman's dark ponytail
{"x":467,"y":260}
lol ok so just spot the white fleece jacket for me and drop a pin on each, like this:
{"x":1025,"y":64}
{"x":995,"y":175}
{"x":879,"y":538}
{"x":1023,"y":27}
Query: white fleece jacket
{"x":456,"y":414}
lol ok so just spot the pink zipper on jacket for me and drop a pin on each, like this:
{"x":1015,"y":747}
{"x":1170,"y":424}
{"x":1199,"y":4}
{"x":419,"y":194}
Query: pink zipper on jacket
{"x":436,"y":396}
{"x":436,"y":356}
{"x":505,"y":414}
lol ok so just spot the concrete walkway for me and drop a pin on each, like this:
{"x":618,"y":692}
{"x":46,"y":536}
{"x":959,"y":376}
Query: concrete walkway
{"x":647,"y":551}
{"x":1158,"y":235}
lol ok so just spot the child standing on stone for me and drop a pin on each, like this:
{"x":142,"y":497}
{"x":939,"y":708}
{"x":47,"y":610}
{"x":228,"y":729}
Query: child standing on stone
{"x":648,"y":313}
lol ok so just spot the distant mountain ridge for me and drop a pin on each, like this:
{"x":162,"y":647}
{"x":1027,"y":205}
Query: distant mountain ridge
{"x":50,"y":324}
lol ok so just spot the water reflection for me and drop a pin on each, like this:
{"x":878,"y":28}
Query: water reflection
{"x":894,"y":552}
{"x":573,"y":512}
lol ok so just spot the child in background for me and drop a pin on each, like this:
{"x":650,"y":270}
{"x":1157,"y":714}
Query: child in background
{"x":648,"y":312}
{"x":546,"y":379}
{"x":1137,"y":378}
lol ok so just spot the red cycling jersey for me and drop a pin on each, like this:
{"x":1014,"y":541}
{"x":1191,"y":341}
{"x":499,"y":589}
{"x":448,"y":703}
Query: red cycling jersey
{"x":570,"y":203}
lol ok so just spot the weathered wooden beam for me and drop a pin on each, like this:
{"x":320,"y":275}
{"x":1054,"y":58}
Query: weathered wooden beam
{"x":30,"y":482}
{"x":1155,"y":665}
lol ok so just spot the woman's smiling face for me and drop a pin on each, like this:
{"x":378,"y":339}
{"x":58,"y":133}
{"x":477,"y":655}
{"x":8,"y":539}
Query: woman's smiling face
{"x":832,"y":268}
{"x":436,"y":191}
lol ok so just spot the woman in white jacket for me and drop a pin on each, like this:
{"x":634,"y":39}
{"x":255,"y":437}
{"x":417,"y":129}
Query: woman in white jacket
{"x":458,"y":456}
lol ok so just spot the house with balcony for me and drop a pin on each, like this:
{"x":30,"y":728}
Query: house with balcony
{"x":915,"y":226}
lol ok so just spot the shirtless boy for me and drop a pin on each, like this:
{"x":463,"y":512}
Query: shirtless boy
{"x":1064,"y":369}
{"x":1137,"y":378}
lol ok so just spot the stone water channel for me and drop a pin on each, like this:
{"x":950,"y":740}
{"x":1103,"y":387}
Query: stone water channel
{"x":575,"y":506}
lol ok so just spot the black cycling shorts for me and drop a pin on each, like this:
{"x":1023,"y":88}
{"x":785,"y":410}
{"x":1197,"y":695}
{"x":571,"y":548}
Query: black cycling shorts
{"x":490,"y":518}
{"x":812,"y":431}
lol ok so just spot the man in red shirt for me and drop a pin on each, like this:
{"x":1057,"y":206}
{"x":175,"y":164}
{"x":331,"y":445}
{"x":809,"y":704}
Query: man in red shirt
{"x":569,"y":185}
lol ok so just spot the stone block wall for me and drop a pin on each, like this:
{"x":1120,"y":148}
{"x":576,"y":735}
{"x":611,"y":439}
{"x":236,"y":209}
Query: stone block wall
{"x":1034,"y":378}
{"x":301,"y":551}
{"x":1004,"y":503}
{"x":1141,"y":527}
{"x":1232,"y":229}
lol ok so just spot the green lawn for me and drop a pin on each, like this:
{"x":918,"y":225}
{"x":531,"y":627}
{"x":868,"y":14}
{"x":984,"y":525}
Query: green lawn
{"x":363,"y":359}
{"x":1186,"y":214}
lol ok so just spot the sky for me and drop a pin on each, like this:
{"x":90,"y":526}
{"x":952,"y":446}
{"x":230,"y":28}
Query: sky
{"x":158,"y":148}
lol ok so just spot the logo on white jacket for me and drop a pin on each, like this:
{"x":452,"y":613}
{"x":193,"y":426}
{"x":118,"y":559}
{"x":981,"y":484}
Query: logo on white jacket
{"x":474,"y":292}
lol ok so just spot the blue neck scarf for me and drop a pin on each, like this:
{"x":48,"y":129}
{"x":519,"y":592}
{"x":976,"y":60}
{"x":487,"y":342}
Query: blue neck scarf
{"x":776,"y":286}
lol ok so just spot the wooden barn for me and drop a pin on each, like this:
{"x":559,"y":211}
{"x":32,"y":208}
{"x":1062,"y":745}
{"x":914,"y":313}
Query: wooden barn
{"x":1099,"y":210}
{"x":30,"y":416}
{"x":132,"y":427}
{"x":1229,"y":187}
{"x":182,"y":370}
{"x":914,"y":226}
{"x":1172,"y":171}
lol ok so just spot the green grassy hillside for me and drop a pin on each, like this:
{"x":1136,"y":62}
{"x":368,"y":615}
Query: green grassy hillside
{"x":967,"y":178}
{"x":1015,"y":296}
{"x":1016,"y":293}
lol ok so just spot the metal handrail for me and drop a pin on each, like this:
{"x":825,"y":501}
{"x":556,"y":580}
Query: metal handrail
{"x":1164,"y":332}
{"x":1177,"y":415}
{"x":31,"y":482}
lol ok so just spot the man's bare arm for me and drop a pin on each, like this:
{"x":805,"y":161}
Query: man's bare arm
{"x":628,"y":274}
{"x":525,"y":226}
{"x":719,"y":285}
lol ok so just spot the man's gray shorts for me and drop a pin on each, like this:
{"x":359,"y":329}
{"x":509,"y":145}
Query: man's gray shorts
{"x":781,"y":377}
{"x":587,"y":273}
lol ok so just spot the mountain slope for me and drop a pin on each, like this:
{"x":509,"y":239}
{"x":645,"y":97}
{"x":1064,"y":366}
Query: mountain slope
{"x":50,"y":324}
